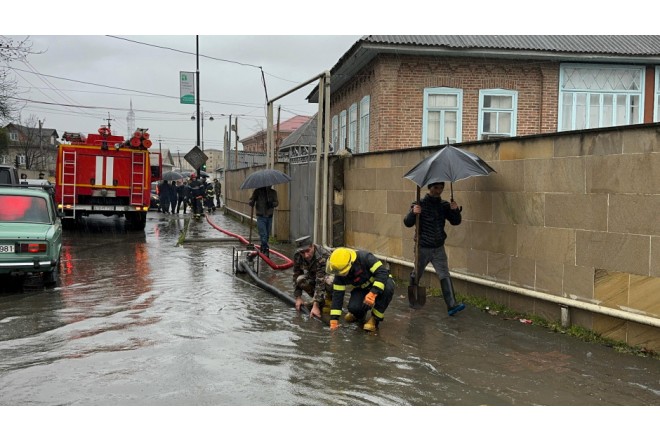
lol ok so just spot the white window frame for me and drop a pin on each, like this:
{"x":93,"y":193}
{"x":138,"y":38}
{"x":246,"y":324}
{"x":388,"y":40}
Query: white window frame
{"x":363,"y":146}
{"x":656,"y":107}
{"x":13,"y":136}
{"x":458,"y":93}
{"x":589,"y":108}
{"x":21,"y":159}
{"x":5,"y":159}
{"x":352,"y":127}
{"x":512,"y":112}
{"x":335,"y":132}
{"x":342,"y":130}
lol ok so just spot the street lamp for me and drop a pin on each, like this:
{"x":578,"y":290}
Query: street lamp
{"x":203,"y":115}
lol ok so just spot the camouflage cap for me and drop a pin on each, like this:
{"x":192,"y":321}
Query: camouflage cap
{"x":303,"y":241}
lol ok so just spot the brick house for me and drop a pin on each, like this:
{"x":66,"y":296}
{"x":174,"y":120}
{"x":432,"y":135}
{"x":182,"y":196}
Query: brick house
{"x":31,"y":148}
{"x":257,"y":141}
{"x":400,"y":91}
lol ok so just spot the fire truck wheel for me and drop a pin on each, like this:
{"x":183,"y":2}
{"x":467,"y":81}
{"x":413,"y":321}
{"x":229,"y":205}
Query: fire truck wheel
{"x":137,"y":220}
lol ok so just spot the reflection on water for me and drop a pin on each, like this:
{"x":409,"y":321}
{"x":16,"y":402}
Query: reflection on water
{"x":138,"y":320}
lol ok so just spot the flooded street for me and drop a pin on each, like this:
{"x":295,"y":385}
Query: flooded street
{"x":138,"y":320}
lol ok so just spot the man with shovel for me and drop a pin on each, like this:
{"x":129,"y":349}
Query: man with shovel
{"x":433,"y":212}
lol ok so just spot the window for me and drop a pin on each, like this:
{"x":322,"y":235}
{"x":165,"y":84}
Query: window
{"x":599,"y":96}
{"x":21,"y":159}
{"x":352,"y":127}
{"x":342,"y":130}
{"x":4,"y":159}
{"x":13,"y":136}
{"x":656,"y":111}
{"x":497,"y":113}
{"x":364,"y":125}
{"x":335,"y":132}
{"x":442,"y":116}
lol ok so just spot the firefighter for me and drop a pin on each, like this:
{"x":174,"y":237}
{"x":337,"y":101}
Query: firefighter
{"x":373,"y":287}
{"x":196,"y":196}
{"x":209,"y":194}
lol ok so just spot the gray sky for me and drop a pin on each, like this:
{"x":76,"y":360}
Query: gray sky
{"x":76,"y":82}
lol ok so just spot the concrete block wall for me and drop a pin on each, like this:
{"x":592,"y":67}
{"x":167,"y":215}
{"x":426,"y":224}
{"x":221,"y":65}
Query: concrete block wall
{"x":575,"y":215}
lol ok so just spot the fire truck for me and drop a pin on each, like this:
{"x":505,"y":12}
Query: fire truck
{"x":104,"y":174}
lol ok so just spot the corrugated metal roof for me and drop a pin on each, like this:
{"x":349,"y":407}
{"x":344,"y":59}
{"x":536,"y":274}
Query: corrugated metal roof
{"x":596,"y":44}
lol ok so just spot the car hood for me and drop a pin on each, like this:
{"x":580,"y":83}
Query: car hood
{"x":23,"y":231}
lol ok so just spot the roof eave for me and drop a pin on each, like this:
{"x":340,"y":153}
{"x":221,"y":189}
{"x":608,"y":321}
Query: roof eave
{"x":345,"y":69}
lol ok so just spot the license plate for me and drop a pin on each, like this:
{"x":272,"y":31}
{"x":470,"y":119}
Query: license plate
{"x":104,"y":208}
{"x":6,"y":248}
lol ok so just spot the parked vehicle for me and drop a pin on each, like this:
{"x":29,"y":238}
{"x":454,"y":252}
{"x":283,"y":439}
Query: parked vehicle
{"x":8,"y":174}
{"x":103,"y":174}
{"x":30,"y":232}
{"x":154,"y":204}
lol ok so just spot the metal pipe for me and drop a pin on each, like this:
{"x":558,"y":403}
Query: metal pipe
{"x":326,"y":154}
{"x":561,"y":301}
{"x":319,"y":184}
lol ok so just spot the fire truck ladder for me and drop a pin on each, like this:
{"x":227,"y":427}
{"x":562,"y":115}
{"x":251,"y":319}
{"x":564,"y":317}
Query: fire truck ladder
{"x":137,"y":178}
{"x":69,"y":181}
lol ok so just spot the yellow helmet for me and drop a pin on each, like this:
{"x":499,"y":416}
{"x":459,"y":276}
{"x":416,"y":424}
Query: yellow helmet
{"x":340,"y":261}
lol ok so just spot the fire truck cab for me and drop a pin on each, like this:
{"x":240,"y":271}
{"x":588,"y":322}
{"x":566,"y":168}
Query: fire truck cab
{"x":104,"y":174}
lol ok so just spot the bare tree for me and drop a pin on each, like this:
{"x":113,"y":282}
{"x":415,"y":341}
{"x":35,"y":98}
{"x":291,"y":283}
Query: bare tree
{"x":10,"y":50}
{"x":33,"y":144}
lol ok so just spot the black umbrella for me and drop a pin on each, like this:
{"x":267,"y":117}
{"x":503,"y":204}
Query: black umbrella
{"x":448,"y":164}
{"x":265,"y":178}
{"x":172,"y":176}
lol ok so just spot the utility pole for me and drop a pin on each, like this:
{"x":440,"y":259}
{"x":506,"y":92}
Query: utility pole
{"x":199,"y":169}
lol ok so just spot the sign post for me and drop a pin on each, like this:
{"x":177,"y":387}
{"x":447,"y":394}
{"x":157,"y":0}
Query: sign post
{"x":187,"y":87}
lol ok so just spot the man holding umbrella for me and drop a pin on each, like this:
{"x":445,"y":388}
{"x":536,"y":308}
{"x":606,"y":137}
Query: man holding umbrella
{"x":433,"y":212}
{"x":264,"y":200}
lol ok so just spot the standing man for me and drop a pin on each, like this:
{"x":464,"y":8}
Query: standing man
{"x":373,"y":287}
{"x":217,"y":187}
{"x":196,"y":196}
{"x":264,"y":200}
{"x":309,"y":275}
{"x":164,"y":196}
{"x":433,"y":212}
{"x":180,"y":197}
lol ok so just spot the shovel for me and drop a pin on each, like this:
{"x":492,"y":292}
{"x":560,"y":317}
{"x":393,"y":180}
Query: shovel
{"x":416,"y":294}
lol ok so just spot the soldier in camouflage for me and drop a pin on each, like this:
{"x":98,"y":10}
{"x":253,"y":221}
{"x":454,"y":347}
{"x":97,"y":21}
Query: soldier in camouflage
{"x":309,"y":275}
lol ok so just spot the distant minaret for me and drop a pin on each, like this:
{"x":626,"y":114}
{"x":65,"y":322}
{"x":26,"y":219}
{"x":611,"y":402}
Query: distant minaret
{"x":130,"y":121}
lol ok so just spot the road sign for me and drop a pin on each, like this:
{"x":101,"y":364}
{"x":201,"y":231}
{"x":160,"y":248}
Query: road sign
{"x":187,"y":87}
{"x":196,"y":157}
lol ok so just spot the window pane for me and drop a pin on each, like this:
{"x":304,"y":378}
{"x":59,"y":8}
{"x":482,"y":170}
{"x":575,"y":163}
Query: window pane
{"x":504,"y":123}
{"x":581,"y":111}
{"x":621,"y":110}
{"x":634,"y":110}
{"x":450,"y":127}
{"x":594,"y":110}
{"x":443,"y":101}
{"x":433,"y":130}
{"x":608,"y":109}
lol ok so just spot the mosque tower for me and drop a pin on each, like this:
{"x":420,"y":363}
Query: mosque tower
{"x":130,"y":121}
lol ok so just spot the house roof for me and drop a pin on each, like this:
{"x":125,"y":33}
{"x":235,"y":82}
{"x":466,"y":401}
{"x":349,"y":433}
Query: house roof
{"x":34,"y":130}
{"x":304,"y":136}
{"x":288,"y":126}
{"x":636,"y":49}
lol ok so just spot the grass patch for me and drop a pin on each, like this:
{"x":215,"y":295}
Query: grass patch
{"x":579,"y":332}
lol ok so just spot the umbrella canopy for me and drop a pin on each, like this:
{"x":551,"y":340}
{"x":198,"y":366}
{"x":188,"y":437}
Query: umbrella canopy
{"x":448,"y":164}
{"x":265,"y":178}
{"x":172,"y":176}
{"x":202,"y":174}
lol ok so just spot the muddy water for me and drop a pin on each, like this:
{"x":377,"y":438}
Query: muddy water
{"x":137,"y":320}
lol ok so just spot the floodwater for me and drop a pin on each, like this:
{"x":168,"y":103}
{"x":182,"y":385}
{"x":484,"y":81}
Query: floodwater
{"x":138,"y":320}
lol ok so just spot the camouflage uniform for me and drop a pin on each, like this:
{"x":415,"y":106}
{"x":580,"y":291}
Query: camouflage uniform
{"x":311,"y":276}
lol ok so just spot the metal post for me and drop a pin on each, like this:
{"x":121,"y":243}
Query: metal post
{"x":198,"y":98}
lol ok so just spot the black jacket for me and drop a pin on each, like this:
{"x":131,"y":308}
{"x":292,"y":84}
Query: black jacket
{"x":435,"y":212}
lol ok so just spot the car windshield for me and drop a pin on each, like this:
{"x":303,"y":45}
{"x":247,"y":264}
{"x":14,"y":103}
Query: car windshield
{"x":20,"y":208}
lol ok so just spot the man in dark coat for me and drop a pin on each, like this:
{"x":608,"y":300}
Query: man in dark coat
{"x":433,"y":212}
{"x":164,"y":196}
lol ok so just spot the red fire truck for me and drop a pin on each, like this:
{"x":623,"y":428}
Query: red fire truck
{"x":104,"y":174}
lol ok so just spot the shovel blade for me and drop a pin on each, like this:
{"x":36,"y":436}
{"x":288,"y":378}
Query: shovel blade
{"x":416,"y":296}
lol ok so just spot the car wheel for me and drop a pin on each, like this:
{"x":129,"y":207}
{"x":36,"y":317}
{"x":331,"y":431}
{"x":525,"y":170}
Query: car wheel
{"x":51,"y":278}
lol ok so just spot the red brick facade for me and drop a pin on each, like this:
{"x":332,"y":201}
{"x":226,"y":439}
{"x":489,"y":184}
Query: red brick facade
{"x":396,"y":86}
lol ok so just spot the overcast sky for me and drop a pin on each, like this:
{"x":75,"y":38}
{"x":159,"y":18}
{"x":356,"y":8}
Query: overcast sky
{"x":75,"y":83}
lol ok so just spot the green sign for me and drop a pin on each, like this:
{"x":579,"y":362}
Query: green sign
{"x":187,"y":87}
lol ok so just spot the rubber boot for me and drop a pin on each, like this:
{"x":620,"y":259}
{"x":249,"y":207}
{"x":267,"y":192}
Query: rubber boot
{"x":371,"y":325}
{"x":349,"y":318}
{"x":450,"y":300}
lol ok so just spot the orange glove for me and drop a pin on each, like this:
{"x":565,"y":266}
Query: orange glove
{"x":370,"y":299}
{"x":334,"y":324}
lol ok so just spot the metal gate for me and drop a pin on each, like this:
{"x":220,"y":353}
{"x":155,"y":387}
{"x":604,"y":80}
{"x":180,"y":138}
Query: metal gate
{"x":301,"y":197}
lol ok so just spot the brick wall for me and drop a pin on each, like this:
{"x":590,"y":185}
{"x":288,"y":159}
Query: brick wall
{"x":396,"y":86}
